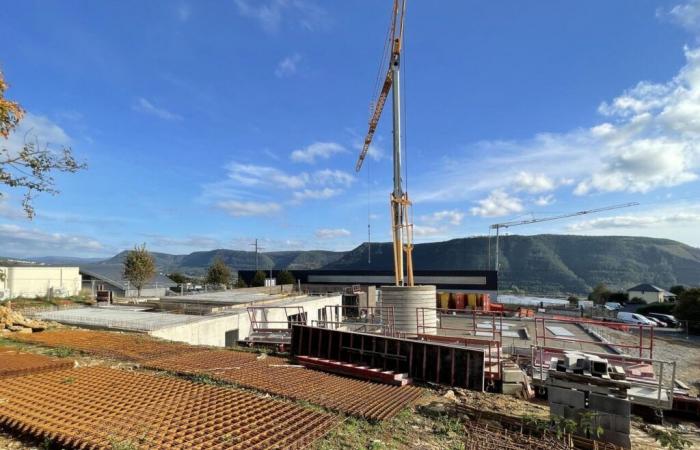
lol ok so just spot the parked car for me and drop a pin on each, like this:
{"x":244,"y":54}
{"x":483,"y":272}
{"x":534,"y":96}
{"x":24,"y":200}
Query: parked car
{"x":656,"y":321}
{"x":634,"y":318}
{"x":613,"y":306}
{"x":668,"y":319}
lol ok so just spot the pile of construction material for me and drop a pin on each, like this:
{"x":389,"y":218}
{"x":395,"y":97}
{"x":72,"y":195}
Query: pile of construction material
{"x":14,"y":322}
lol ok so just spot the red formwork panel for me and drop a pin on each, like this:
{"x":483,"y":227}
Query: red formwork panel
{"x":101,"y":408}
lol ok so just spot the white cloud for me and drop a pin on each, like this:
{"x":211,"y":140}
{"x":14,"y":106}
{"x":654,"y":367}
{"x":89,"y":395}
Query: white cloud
{"x":244,"y":208}
{"x":315,"y":194}
{"x":9,"y":210}
{"x":452,"y":217}
{"x":34,"y":128}
{"x":272,"y":13}
{"x":427,"y":231}
{"x":317,"y":150}
{"x":544,"y":200}
{"x":333,"y":177}
{"x":648,"y":138}
{"x":686,"y":15}
{"x":144,"y":106}
{"x":331,"y":233}
{"x":637,"y":221}
{"x":288,"y":66}
{"x":189,"y":242}
{"x":533,"y":183}
{"x":23,"y":241}
{"x":254,"y":175}
{"x":497,"y":204}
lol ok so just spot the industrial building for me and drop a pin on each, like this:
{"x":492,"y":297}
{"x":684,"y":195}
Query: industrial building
{"x":108,"y":277}
{"x":24,"y":280}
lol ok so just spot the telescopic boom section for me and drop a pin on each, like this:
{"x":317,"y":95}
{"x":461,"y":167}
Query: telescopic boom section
{"x":402,"y":230}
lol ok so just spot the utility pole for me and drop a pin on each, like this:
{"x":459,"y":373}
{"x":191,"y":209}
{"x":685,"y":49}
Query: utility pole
{"x":257,"y":250}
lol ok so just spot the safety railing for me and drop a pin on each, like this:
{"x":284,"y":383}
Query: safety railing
{"x":361,"y":318}
{"x":260,"y":317}
{"x":601,"y":334}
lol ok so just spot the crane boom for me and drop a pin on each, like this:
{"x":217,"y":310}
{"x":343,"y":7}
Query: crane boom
{"x":498,"y":226}
{"x":563,"y":216}
{"x":396,"y":38}
{"x":401,"y":228}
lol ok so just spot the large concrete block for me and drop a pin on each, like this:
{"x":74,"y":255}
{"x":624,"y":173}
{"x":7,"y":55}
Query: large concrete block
{"x":621,"y":439}
{"x":622,"y":424}
{"x":576,"y":399}
{"x":608,"y":404}
{"x":514,"y":375}
{"x":511,"y":388}
{"x":557,"y":409}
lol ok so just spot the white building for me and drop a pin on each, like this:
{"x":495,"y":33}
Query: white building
{"x":32,"y":281}
{"x":650,"y":293}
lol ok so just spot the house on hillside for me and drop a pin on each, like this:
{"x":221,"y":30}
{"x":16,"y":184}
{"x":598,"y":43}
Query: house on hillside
{"x":29,"y":280}
{"x":108,"y":277}
{"x":650,"y":293}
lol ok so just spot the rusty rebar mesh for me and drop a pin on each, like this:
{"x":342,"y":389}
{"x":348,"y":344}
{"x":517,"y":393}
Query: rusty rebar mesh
{"x":374,"y":401}
{"x":14,"y":363}
{"x":101,"y":408}
{"x":273,"y":375}
{"x":484,"y":437}
{"x":130,"y":347}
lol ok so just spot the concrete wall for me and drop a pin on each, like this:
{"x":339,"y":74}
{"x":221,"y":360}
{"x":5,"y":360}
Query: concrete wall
{"x":38,"y":280}
{"x":213,"y":331}
{"x":648,"y":297}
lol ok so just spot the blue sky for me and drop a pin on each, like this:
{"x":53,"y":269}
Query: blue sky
{"x":208,"y":124}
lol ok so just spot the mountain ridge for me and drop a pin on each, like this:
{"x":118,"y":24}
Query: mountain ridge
{"x":545,"y":264}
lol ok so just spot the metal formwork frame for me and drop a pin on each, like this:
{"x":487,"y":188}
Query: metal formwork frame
{"x":263,"y":324}
{"x":335,"y":316}
{"x":424,"y":333}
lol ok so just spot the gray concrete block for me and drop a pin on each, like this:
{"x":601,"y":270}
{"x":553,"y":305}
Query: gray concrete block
{"x":622,"y":424}
{"x":608,"y":404}
{"x":576,"y":399}
{"x":557,"y":409}
{"x":511,"y":388}
{"x":621,"y":439}
{"x":607,"y":421}
{"x":513,"y":375}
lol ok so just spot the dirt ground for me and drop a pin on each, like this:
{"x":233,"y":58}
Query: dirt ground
{"x":430,"y":424}
{"x":686,"y":354}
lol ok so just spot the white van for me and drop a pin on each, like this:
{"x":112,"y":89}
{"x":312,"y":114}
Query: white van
{"x":637,"y":319}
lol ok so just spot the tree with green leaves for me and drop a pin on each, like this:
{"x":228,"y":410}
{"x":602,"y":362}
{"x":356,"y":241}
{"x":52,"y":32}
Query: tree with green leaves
{"x":677,"y":290}
{"x":178,"y":278}
{"x":258,"y":279}
{"x":139,"y":267}
{"x":29,"y":168}
{"x":285,"y":277}
{"x":240,"y":283}
{"x":600,"y":294}
{"x":218,"y":273}
{"x":688,"y":308}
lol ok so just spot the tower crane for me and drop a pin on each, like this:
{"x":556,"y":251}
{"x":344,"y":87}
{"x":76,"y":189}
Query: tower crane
{"x":498,"y":226}
{"x":402,"y":230}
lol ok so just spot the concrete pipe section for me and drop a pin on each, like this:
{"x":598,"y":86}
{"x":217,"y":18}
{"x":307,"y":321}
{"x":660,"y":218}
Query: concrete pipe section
{"x":405,"y":300}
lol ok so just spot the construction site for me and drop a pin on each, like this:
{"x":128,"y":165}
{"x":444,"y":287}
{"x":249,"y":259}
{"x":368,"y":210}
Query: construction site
{"x":403,"y":359}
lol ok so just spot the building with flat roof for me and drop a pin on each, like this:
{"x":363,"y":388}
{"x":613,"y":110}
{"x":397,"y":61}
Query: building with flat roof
{"x":38,"y":281}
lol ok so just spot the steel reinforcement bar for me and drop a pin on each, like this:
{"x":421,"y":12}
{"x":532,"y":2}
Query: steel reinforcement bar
{"x":101,"y":408}
{"x":276,"y":376}
{"x":14,"y":363}
{"x":124,"y":346}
